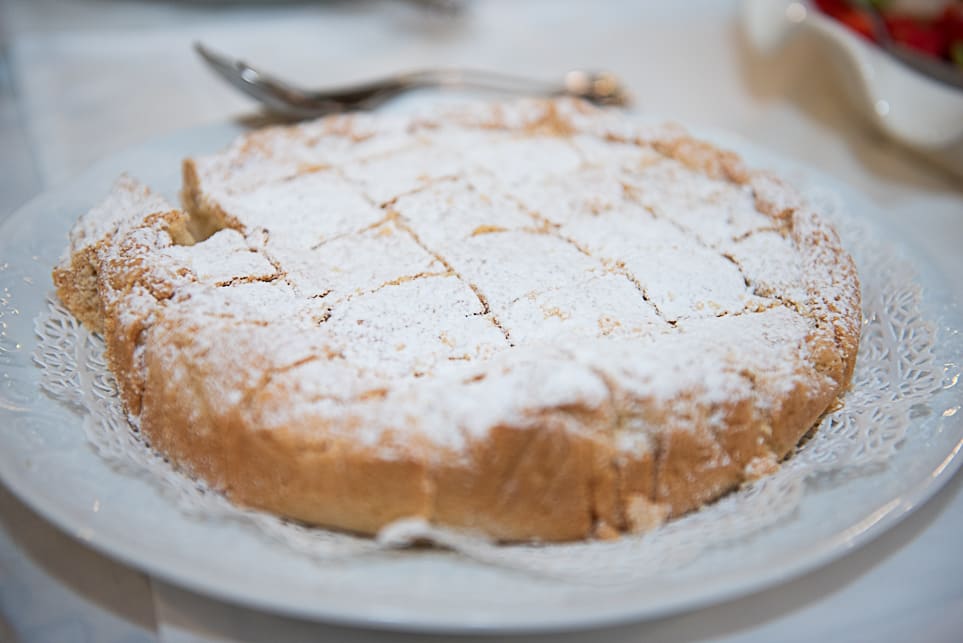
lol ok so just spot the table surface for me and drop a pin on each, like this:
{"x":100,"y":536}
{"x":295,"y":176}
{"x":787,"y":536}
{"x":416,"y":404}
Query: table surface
{"x":82,"y":79}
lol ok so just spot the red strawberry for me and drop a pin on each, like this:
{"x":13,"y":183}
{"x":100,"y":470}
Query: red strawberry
{"x":853,"y":17}
{"x":832,"y":7}
{"x":950,"y":24}
{"x":858,"y":21}
{"x":917,"y":34}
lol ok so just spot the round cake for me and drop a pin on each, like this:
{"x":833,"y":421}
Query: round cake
{"x":535,"y":320}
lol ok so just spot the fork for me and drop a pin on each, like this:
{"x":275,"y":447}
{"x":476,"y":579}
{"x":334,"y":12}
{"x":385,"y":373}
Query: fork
{"x":289,"y":100}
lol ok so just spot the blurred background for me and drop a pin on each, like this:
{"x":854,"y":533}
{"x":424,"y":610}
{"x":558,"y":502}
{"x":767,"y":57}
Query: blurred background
{"x":82,"y":79}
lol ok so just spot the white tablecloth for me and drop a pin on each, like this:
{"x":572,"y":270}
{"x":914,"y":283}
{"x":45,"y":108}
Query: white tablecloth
{"x":82,"y":79}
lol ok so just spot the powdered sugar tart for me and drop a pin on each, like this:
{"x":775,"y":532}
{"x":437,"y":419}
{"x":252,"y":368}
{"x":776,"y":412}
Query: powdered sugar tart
{"x":535,"y":320}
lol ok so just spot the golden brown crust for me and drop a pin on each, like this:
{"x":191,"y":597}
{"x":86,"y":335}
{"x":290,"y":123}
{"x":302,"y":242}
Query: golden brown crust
{"x":520,"y":484}
{"x":77,"y":284}
{"x":558,"y":475}
{"x":206,"y":218}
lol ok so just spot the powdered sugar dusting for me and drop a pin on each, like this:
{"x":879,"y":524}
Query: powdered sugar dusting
{"x":439,"y":275}
{"x":222,"y":258}
{"x":127,"y":201}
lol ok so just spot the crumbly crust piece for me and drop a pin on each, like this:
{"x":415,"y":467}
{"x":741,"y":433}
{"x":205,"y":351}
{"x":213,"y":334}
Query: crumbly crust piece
{"x":535,"y":320}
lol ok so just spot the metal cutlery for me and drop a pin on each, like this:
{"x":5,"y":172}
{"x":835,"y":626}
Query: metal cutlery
{"x":287,"y":99}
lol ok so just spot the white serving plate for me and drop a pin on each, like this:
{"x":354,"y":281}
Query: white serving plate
{"x":45,"y":460}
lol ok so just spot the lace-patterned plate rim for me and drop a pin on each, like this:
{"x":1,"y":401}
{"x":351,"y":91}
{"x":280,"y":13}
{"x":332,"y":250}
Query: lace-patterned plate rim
{"x":390,"y":590}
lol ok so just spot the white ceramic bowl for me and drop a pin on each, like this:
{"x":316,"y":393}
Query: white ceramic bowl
{"x":908,"y":106}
